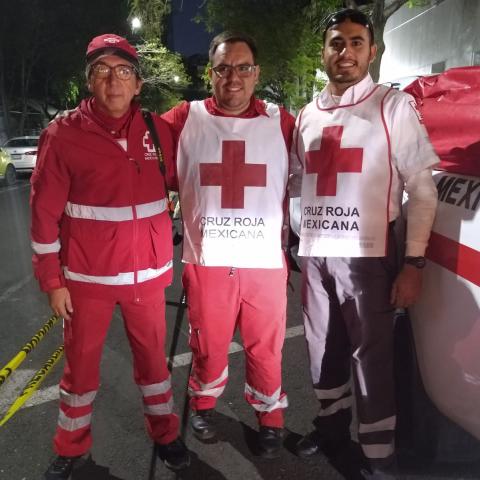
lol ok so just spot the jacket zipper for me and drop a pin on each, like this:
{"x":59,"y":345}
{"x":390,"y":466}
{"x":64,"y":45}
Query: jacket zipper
{"x":134,"y":210}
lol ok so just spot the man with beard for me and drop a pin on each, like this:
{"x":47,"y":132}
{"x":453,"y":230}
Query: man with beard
{"x":358,"y":147}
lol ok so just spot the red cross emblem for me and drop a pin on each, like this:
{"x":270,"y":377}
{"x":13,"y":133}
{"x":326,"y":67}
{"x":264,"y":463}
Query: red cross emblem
{"x":332,"y":159}
{"x":233,"y":174}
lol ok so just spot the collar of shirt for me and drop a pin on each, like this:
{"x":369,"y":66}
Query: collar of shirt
{"x":117,"y":127}
{"x":256,"y":108}
{"x":352,"y":94}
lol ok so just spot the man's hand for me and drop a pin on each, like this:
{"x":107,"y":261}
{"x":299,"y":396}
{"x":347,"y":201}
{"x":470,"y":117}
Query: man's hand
{"x":60,"y":302}
{"x":407,"y":287}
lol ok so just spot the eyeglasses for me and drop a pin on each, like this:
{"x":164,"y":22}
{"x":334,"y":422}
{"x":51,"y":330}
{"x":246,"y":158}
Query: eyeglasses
{"x":122,"y":72}
{"x":243,"y":70}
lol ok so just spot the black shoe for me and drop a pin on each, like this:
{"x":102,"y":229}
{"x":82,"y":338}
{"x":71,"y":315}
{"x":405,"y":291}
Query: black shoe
{"x":174,"y":455}
{"x":61,"y":468}
{"x":203,"y":424}
{"x":380,"y":469}
{"x":270,"y":441}
{"x":314,"y":442}
{"x":308,"y":445}
{"x":378,"y":474}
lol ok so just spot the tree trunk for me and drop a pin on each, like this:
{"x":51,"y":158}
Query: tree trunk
{"x":25,"y":87}
{"x":3,"y":98}
{"x":378,"y":20}
{"x":23,"y":99}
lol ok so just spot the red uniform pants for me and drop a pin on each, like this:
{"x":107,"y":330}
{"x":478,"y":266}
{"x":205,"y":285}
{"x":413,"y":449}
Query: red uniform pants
{"x":84,"y":336}
{"x":220,"y":299}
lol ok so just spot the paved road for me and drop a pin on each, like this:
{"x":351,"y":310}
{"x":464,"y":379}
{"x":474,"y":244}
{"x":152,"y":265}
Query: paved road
{"x":121,"y":450}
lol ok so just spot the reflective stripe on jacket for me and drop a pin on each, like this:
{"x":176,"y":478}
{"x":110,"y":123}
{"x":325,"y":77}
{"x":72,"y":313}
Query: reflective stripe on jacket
{"x":98,"y":210}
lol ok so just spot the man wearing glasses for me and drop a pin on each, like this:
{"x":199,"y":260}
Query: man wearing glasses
{"x":101,"y":236}
{"x":232,"y":164}
{"x":358,"y":147}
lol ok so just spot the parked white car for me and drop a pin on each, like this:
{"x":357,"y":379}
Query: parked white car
{"x":23,"y":151}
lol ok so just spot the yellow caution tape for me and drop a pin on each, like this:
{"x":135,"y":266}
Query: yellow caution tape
{"x":33,"y":384}
{"x":13,"y":364}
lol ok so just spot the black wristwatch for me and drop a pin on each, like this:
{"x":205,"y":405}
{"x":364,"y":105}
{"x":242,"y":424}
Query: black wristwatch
{"x":418,"y":262}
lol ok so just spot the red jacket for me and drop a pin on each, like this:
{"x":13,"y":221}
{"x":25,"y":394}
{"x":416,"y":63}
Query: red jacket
{"x":99,"y":213}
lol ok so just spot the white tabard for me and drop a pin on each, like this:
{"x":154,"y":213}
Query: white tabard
{"x":232,"y":177}
{"x":347,"y":178}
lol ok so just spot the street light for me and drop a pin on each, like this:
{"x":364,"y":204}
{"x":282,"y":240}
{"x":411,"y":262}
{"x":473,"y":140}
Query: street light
{"x":136,"y":24}
{"x":176,"y":78}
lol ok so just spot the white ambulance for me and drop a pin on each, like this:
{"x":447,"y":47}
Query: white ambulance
{"x":446,"y":320}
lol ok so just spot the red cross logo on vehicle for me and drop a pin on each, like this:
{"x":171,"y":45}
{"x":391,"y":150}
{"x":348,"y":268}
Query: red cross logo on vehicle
{"x":233,"y":174}
{"x":332,"y":159}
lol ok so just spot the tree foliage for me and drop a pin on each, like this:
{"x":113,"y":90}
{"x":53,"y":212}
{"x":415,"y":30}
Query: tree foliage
{"x":164,"y":76}
{"x":42,"y":52}
{"x":152,"y":14}
{"x":163,"y":71}
{"x":43,"y":43}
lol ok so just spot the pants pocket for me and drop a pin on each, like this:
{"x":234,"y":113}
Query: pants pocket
{"x":196,"y":342}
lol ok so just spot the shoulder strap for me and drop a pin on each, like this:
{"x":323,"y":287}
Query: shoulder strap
{"x":147,"y":117}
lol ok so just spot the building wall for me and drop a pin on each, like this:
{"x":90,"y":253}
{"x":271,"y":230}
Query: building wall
{"x":420,"y":41}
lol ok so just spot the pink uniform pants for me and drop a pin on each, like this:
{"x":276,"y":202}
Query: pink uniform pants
{"x":219,"y":300}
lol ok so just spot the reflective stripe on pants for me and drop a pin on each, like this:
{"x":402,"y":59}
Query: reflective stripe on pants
{"x":84,"y":337}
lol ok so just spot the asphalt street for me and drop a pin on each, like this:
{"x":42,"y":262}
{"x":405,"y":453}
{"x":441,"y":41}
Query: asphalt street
{"x":122,"y":450}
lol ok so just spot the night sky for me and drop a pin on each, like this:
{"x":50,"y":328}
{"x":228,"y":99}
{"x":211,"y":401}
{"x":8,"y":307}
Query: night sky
{"x":186,"y":36}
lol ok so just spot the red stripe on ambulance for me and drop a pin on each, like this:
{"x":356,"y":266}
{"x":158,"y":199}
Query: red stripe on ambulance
{"x":454,"y":256}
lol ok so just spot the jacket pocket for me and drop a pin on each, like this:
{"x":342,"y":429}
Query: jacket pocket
{"x":95,"y":248}
{"x":160,"y":240}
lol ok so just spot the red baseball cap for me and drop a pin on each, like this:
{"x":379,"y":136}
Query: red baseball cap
{"x":111,"y":44}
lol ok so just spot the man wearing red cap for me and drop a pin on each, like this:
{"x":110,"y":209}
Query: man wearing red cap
{"x":101,"y":237}
{"x":232,"y":162}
